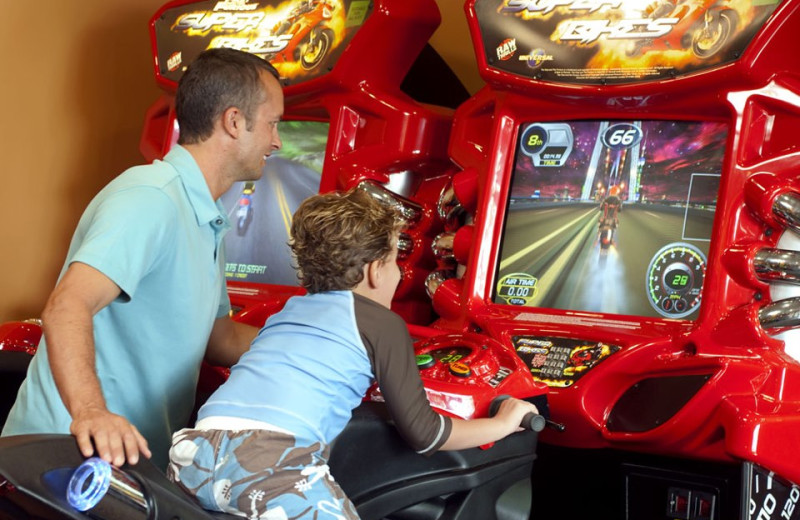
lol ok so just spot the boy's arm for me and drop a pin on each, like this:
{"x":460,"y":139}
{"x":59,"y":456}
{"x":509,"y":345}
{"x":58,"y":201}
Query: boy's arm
{"x":389,"y":347}
{"x":477,"y":432}
{"x":392,"y":354}
{"x":409,"y":407}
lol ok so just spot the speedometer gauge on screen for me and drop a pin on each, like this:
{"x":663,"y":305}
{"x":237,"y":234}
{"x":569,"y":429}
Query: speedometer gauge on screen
{"x":611,"y":216}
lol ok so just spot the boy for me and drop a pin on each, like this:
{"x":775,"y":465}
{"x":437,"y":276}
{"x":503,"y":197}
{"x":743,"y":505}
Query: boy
{"x":260,"y":445}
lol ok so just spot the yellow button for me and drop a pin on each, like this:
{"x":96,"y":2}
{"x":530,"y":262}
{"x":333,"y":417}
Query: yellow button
{"x":460,"y":369}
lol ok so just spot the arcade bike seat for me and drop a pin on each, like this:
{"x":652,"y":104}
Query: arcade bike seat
{"x":35,"y":471}
{"x":369,"y":459}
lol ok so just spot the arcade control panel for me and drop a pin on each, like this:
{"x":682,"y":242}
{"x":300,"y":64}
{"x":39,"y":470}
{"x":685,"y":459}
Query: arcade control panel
{"x":464,"y":373}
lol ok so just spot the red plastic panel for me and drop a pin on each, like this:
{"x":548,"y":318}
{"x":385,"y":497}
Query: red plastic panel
{"x":750,"y":399}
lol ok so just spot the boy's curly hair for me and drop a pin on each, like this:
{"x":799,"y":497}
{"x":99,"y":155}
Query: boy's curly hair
{"x":334,"y":235}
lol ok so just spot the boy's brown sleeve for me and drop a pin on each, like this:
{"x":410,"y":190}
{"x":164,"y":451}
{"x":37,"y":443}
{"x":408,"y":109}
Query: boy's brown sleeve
{"x":390,"y":350}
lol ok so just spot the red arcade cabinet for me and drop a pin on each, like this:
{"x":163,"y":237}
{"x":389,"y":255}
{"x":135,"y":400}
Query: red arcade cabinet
{"x":629,"y":184}
{"x":348,"y":122}
{"x":618,"y":209}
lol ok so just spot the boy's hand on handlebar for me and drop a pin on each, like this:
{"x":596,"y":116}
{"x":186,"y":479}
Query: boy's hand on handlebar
{"x":511,"y":412}
{"x":115,"y":439}
{"x":506,"y":416}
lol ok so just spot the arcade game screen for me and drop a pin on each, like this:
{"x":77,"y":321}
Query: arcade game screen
{"x":611,"y":216}
{"x":261,"y":212}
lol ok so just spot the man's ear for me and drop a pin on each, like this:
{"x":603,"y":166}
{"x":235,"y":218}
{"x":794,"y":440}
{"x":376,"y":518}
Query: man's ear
{"x":233,"y":122}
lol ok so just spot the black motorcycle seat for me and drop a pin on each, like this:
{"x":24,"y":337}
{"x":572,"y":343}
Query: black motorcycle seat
{"x":379,"y":471}
{"x":369,"y":459}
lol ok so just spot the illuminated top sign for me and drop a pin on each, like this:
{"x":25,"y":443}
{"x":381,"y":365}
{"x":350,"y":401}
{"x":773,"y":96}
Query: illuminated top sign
{"x":301,"y":38}
{"x":615,"y":42}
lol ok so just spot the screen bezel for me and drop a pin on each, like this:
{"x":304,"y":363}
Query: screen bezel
{"x":719,"y":131}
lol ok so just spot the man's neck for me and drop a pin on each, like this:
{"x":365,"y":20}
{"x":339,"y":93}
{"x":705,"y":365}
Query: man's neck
{"x":210,"y":160}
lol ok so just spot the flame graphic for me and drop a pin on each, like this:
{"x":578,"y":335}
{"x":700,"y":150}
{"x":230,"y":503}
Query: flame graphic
{"x":270,"y":17}
{"x":336,"y":23}
{"x":649,"y":55}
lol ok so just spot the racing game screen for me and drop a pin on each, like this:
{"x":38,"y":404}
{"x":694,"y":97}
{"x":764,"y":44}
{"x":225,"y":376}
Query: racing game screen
{"x":257,"y":247}
{"x":611,"y":216}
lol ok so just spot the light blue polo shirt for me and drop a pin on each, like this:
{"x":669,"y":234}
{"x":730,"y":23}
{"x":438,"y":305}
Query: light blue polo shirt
{"x":157,"y":233}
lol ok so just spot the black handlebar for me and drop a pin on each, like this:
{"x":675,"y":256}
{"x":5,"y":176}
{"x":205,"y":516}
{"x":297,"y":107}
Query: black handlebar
{"x":530,"y":421}
{"x":533,"y":421}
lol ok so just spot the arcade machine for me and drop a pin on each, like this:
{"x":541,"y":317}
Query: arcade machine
{"x":629,"y":188}
{"x":613,"y":221}
{"x":347,"y":123}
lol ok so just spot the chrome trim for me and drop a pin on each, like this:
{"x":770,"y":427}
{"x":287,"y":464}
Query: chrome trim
{"x":780,"y":314}
{"x":779,"y":290}
{"x":410,"y":211}
{"x":401,"y":183}
{"x":786,"y":209}
{"x":435,"y":279}
{"x":449,"y":207}
{"x":442,"y":245}
{"x":405,"y":245}
{"x":777,"y":265}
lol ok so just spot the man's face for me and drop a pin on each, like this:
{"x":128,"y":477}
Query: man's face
{"x":262,"y":137}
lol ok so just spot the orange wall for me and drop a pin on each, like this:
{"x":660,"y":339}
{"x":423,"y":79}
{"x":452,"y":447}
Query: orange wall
{"x":453,"y":43}
{"x":76,"y":82}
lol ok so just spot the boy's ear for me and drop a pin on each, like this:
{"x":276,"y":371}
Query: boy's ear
{"x":373,"y":274}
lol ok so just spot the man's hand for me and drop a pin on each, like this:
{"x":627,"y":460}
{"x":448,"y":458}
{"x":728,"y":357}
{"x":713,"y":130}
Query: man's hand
{"x":115,"y":439}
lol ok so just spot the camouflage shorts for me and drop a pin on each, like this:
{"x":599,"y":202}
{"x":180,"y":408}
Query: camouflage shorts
{"x":257,"y":474}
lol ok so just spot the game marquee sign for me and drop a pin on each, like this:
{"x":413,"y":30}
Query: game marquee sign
{"x":301,"y":38}
{"x":615,"y":42}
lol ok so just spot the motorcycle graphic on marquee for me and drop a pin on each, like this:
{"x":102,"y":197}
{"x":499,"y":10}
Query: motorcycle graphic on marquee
{"x":301,"y":38}
{"x":626,"y":41}
{"x":311,"y":38}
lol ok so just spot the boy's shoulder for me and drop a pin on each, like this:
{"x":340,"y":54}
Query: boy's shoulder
{"x":369,"y":312}
{"x":366,"y":301}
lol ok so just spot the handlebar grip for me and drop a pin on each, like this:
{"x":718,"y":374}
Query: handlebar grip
{"x":530,"y":421}
{"x":534,"y":422}
{"x":495,"y":404}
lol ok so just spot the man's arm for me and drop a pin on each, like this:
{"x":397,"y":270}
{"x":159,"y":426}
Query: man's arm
{"x":228,"y":341}
{"x":67,"y":322}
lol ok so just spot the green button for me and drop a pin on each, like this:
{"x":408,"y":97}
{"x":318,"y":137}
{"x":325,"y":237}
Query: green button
{"x":425,"y":361}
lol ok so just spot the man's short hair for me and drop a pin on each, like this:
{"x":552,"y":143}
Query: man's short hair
{"x":334,"y":235}
{"x":217,"y":80}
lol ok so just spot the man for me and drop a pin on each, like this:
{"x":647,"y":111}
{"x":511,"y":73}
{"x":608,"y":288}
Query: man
{"x":141,"y":299}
